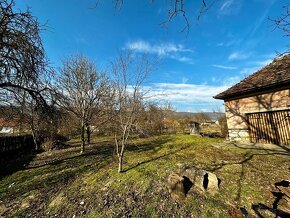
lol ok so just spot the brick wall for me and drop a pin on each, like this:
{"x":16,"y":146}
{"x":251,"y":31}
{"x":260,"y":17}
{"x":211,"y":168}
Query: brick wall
{"x":237,"y":109}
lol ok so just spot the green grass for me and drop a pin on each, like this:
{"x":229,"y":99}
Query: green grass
{"x":64,"y":183}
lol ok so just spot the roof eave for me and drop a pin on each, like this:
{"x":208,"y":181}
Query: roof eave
{"x":261,"y":90}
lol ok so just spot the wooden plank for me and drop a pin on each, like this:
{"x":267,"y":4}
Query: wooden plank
{"x":256,"y":128}
{"x":274,"y":123}
{"x":249,"y":127}
{"x":270,"y":138}
{"x":265,"y":128}
{"x":270,"y":127}
{"x":262,"y":126}
{"x":288,"y":128}
{"x":280,"y":127}
{"x":282,"y":118}
{"x":274,"y":126}
{"x":254,"y":120}
{"x":285,"y":137}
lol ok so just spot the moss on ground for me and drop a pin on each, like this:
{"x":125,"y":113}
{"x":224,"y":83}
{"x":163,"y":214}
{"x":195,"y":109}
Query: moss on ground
{"x":63,"y":183}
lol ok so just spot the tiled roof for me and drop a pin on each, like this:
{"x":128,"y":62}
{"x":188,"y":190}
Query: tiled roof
{"x":275,"y":74}
{"x":8,"y":123}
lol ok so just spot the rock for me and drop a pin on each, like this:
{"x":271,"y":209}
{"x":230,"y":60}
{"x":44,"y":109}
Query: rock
{"x":175,"y":187}
{"x":210,"y":183}
{"x":204,"y":181}
{"x":235,"y":213}
{"x":284,"y":205}
{"x":179,"y":184}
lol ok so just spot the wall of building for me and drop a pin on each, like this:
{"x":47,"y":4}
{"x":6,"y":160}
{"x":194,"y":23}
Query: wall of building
{"x":237,"y":109}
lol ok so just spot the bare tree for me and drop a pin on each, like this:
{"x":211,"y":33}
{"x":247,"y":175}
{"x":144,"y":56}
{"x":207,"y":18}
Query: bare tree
{"x":283,"y":23}
{"x":22,"y":57}
{"x":130,"y":72}
{"x":83,"y":89}
{"x":31,"y":116}
{"x":176,"y":8}
{"x":154,"y":119}
{"x":201,"y":117}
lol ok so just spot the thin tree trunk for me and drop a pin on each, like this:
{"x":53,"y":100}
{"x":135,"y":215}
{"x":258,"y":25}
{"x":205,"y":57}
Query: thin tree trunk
{"x":35,"y":140}
{"x":83,"y":138}
{"x":120,"y":168}
{"x":121,"y":155}
{"x":88,"y":129}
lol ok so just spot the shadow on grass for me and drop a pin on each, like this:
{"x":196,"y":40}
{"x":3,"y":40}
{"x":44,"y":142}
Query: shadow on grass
{"x":279,"y":194}
{"x":106,"y":149}
{"x":252,"y":152}
{"x":154,"y":145}
{"x":100,"y":152}
{"x":281,"y":149}
{"x":260,"y":209}
{"x":51,"y":176}
{"x":14,"y":162}
{"x":156,"y":158}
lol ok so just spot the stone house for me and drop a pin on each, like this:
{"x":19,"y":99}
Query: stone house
{"x":258,"y":107}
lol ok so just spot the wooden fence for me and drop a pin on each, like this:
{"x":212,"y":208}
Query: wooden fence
{"x":14,"y":143}
{"x":270,"y":127}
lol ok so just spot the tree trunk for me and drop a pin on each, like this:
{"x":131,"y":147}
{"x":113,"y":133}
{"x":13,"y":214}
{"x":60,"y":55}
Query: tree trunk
{"x":35,"y":140}
{"x":83,"y":138}
{"x":88,"y":129}
{"x":120,"y":169}
{"x":120,"y":156}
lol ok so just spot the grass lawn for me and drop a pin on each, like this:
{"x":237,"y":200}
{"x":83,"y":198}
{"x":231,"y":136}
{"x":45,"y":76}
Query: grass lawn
{"x":64,"y":183}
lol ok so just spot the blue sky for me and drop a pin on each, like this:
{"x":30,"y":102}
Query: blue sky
{"x":233,"y":39}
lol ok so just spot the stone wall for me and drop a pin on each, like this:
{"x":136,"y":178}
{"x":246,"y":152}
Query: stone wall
{"x":237,"y":109}
{"x":239,"y":135}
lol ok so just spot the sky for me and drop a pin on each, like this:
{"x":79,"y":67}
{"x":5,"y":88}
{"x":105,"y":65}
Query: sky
{"x":231,"y":40}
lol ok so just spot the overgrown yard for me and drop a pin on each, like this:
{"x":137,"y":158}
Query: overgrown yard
{"x":66,"y":184}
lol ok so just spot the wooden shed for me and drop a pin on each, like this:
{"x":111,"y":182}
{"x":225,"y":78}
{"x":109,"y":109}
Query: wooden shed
{"x":194,"y":128}
{"x":258,"y":107}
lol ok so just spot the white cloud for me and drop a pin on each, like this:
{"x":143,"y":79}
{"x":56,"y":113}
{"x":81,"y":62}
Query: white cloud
{"x":264,"y":63}
{"x":257,"y":65}
{"x":159,"y":49}
{"x":238,"y":56}
{"x":206,"y":110}
{"x":166,"y":50}
{"x":230,"y":81}
{"x":261,"y":19}
{"x":224,"y":67}
{"x":185,"y":93}
{"x":249,"y":70}
{"x":230,"y":7}
{"x":226,"y":5}
{"x":220,"y":44}
{"x":229,"y":43}
{"x":184,"y":80}
{"x":182,"y":59}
